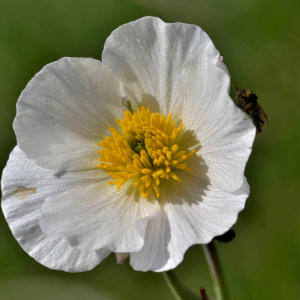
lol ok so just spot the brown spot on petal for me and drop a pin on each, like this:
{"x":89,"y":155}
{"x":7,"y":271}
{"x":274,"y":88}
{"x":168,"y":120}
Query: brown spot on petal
{"x":23,"y":192}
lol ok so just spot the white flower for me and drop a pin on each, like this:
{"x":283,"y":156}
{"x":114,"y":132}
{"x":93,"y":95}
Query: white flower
{"x":56,"y":196}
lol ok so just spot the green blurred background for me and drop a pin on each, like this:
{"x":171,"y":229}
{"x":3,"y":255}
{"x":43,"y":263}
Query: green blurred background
{"x":260,"y":43}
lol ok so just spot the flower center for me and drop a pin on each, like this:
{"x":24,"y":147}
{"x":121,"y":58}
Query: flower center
{"x":146,"y":152}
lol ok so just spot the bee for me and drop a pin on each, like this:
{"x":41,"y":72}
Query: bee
{"x":247,"y":101}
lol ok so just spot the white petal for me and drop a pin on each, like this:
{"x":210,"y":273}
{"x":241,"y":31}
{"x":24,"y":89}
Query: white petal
{"x":147,"y":56}
{"x":214,"y":124}
{"x":65,"y":110}
{"x":98,"y":216}
{"x":154,"y":255}
{"x":195,"y":212}
{"x":25,"y":186}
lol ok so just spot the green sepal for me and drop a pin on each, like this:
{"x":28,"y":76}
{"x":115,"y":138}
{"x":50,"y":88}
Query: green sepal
{"x":127,"y":104}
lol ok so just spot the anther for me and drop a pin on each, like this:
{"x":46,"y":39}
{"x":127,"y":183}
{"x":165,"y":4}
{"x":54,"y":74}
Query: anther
{"x":146,"y":151}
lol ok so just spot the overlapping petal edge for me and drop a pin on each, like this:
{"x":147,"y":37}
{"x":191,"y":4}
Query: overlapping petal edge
{"x":59,"y":205}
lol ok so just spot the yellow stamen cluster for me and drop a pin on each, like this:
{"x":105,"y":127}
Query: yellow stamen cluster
{"x":146,"y":151}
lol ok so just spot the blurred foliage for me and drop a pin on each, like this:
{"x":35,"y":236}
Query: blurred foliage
{"x":259,"y":41}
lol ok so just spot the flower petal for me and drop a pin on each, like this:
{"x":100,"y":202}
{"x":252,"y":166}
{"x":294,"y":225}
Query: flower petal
{"x":98,"y":216}
{"x":195,"y":212}
{"x":65,"y":110}
{"x":221,"y":130}
{"x":25,"y":186}
{"x":147,"y":56}
{"x":154,"y":255}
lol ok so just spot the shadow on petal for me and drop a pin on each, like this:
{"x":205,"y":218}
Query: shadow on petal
{"x":149,"y":101}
